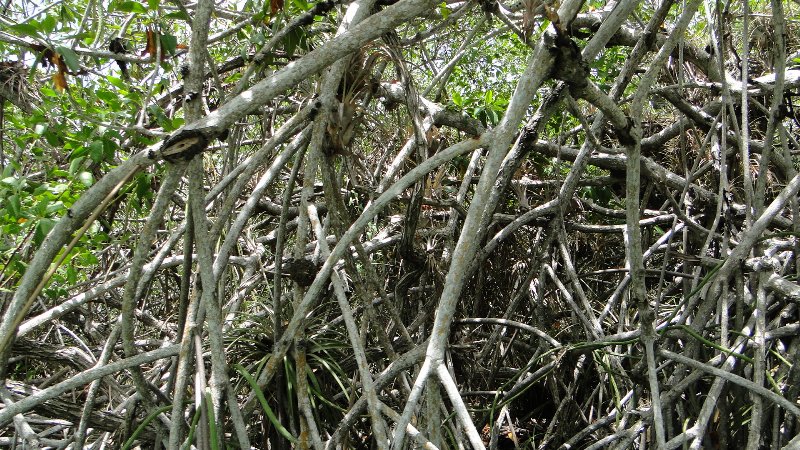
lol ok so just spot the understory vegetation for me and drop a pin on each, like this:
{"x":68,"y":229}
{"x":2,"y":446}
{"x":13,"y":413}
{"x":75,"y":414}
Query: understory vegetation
{"x":399,"y":224}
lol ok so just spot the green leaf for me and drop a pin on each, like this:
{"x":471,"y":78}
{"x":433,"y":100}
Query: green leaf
{"x":75,"y":165}
{"x":72,"y":274}
{"x":109,"y":148}
{"x":260,"y":396}
{"x":489,"y":97}
{"x":178,"y":15}
{"x":169,"y":43}
{"x":86,"y":178}
{"x":153,"y":4}
{"x":86,"y":37}
{"x":70,"y":57}
{"x":112,"y":134}
{"x":14,"y":182}
{"x":295,"y":39}
{"x":79,"y":152}
{"x":212,"y":423}
{"x":301,"y":4}
{"x":43,"y":227}
{"x":60,"y":188}
{"x":193,"y":425}
{"x":118,"y":83}
{"x":26,"y":29}
{"x":142,"y":189}
{"x":257,"y":38}
{"x":96,"y":151}
{"x":493,"y":116}
{"x":457,"y":99}
{"x":14,"y":206}
{"x":55,"y":207}
{"x":65,"y":14}
{"x":131,"y":7}
{"x":48,"y":24}
{"x":52,"y":138}
{"x":49,"y":92}
{"x":89,"y":259}
{"x":444,"y":10}
{"x":41,"y":207}
{"x":291,"y":42}
{"x":108,"y":97}
{"x":142,"y":426}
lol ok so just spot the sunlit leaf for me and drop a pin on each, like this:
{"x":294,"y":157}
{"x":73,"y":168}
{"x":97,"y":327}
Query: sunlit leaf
{"x":65,"y":14}
{"x":117,"y":82}
{"x":457,"y":99}
{"x":552,"y":15}
{"x":54,"y":207}
{"x":444,"y":10}
{"x":25,"y":29}
{"x":86,"y":178}
{"x":48,"y":24}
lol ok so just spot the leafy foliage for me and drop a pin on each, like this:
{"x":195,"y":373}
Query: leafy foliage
{"x":560,"y":319}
